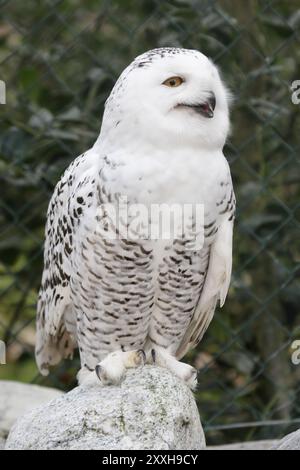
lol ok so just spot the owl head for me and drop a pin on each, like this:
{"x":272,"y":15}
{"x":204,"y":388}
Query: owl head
{"x":168,"y":96}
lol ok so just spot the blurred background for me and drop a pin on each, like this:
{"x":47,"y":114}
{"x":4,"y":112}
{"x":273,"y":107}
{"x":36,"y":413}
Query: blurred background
{"x":60,"y":59}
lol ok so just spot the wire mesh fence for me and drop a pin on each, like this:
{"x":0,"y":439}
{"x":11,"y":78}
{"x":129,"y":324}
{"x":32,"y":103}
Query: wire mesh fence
{"x":59,"y":60}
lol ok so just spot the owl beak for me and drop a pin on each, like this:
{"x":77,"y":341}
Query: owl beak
{"x":206,"y":108}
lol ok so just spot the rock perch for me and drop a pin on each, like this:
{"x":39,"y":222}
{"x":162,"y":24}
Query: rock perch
{"x":17,"y":399}
{"x":289,"y":442}
{"x":150,"y":410}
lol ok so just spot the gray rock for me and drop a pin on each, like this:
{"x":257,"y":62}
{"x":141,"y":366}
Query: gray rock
{"x":250,"y":445}
{"x":151,"y":409}
{"x":2,"y":443}
{"x":16,"y":399}
{"x":290,"y":442}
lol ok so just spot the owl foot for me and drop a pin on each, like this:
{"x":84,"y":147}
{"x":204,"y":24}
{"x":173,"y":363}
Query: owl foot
{"x":183,"y":371}
{"x":111,"y":370}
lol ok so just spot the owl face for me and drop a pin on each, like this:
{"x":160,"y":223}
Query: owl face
{"x":172,"y":95}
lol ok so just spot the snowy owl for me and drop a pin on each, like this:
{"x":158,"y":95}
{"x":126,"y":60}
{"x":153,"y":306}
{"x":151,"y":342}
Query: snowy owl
{"x":128,"y":302}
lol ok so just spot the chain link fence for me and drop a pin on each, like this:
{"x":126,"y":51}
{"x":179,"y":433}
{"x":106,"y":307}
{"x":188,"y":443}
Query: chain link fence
{"x":59,"y":60}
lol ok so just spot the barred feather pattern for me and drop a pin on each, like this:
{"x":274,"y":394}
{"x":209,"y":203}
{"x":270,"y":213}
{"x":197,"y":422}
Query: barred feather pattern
{"x":104,"y":295}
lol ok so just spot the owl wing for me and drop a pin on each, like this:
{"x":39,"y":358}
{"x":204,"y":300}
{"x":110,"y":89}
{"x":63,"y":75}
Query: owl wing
{"x":56,"y":327}
{"x":217,"y":278}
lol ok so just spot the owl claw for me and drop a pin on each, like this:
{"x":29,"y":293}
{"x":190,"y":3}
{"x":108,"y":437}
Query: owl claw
{"x":98,"y":371}
{"x":141,"y":353}
{"x":153,"y":355}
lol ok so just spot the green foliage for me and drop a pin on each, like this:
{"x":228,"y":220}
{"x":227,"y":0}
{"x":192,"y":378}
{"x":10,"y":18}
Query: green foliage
{"x":59,"y":61}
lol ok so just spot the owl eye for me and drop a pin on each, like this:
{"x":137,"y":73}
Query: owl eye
{"x":173,"y":82}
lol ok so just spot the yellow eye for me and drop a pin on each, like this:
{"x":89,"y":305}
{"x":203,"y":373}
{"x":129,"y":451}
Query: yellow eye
{"x":173,"y":81}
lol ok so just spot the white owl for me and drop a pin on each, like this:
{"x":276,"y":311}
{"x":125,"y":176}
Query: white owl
{"x":125,"y":302}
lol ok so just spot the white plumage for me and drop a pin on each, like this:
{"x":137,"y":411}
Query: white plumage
{"x":125,"y":302}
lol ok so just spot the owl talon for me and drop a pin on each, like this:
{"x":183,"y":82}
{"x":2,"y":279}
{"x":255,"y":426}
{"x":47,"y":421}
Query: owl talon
{"x":98,"y":369}
{"x":153,"y":355}
{"x":141,"y":354}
